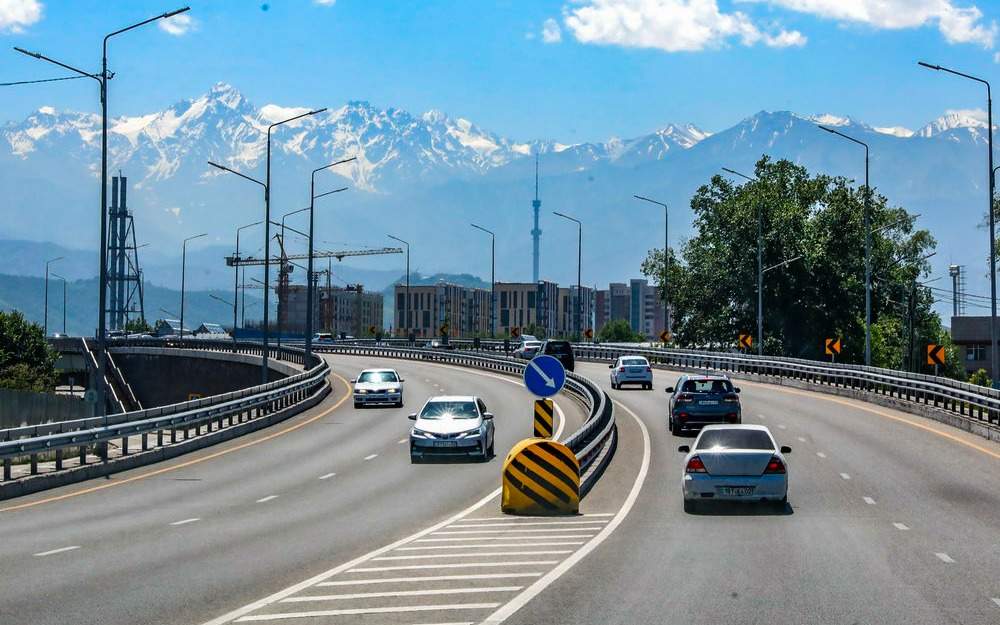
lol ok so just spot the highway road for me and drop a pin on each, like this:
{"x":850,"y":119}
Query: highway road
{"x":199,"y":536}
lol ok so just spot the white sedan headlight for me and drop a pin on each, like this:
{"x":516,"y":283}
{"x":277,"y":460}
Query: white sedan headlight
{"x":421,"y":434}
{"x":360,"y":391}
{"x":469,"y":433}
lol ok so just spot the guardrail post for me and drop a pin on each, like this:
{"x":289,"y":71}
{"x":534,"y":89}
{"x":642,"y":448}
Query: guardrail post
{"x":173,"y":435}
{"x":6,"y":469}
{"x":125,"y":445}
{"x":83,"y":455}
{"x":34,"y":464}
{"x":59,"y":459}
{"x":145,"y":441}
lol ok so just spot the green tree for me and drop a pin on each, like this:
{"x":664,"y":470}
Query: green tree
{"x":618,"y":331}
{"x":980,"y":378}
{"x":27,"y":363}
{"x":137,"y":326}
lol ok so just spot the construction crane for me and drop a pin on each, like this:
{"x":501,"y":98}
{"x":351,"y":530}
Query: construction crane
{"x":250,"y":261}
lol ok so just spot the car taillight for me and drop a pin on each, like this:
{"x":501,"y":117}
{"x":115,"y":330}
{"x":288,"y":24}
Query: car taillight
{"x":695,"y":465}
{"x":774,"y":465}
{"x":682,"y":416}
{"x":732,"y":417}
{"x":684,"y":398}
{"x":649,"y":369}
{"x":732,"y":398}
{"x":621,"y":369}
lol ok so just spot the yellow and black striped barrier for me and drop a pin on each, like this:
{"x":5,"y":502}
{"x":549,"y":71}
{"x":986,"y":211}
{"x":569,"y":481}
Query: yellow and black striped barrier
{"x":541,"y":477}
{"x":543,"y":418}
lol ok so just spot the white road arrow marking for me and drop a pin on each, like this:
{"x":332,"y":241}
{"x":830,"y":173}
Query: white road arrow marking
{"x":549,"y":382}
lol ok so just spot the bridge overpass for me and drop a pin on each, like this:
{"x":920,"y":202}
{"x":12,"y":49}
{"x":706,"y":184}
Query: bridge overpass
{"x":320,"y":518}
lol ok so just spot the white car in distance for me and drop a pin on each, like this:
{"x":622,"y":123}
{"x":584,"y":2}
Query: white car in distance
{"x":631,"y":370}
{"x":378,"y":386}
{"x":528,"y":347}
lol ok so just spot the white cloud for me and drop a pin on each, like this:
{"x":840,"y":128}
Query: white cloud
{"x":957,"y":24}
{"x":996,"y":57}
{"x":177,"y":25}
{"x":15,"y":15}
{"x":273,"y":113}
{"x":325,"y":3}
{"x":174,"y":210}
{"x":551,"y":33}
{"x":670,"y":25}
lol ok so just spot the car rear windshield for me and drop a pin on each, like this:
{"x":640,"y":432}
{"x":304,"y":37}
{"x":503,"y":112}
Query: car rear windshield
{"x":735,"y":439}
{"x":378,"y":376}
{"x":558,"y":347}
{"x":449,"y":410}
{"x":707,"y":386}
{"x":635,"y":362}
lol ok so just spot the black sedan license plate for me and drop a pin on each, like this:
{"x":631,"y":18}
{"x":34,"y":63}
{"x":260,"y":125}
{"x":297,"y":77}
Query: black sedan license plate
{"x":736,"y":491}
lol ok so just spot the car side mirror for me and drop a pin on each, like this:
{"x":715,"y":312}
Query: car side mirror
{"x":488,"y":416}
{"x":401,"y":380}
{"x":413,"y":416}
{"x":611,"y":366}
{"x":736,"y":390}
{"x":354,"y":380}
{"x":684,"y":449}
{"x":785,"y":449}
{"x":669,"y":389}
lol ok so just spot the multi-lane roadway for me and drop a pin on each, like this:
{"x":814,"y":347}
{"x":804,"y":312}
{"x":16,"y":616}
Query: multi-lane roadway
{"x":322,"y":519}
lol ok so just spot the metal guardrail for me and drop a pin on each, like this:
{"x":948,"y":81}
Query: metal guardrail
{"x":236,"y":406}
{"x":598,"y":434}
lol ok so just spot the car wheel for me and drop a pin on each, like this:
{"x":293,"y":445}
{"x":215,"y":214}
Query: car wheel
{"x":490,"y":451}
{"x":414,"y":459}
{"x":690,"y":506}
{"x":357,"y":404}
{"x":675,"y":429}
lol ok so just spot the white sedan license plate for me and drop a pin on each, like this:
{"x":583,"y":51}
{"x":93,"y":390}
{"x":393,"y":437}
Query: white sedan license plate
{"x":447,"y":444}
{"x":736,"y":491}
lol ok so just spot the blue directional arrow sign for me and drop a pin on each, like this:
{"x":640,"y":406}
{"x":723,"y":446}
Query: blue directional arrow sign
{"x":544,"y":376}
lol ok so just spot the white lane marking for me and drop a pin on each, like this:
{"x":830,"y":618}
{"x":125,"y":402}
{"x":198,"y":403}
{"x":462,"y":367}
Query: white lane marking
{"x":430,"y":578}
{"x":900,"y":527}
{"x":516,"y":524}
{"x":869,"y":501}
{"x":186,"y":521}
{"x":821,"y":454}
{"x":782,"y":426}
{"x":402,"y":441}
{"x":503,"y":538}
{"x":476,"y":554}
{"x":801,"y":439}
{"x":492,"y":546}
{"x":371,"y":456}
{"x":517,"y":531}
{"x":402,"y":593}
{"x":507,"y":518}
{"x":995,"y":600}
{"x":355,"y":611}
{"x":761,"y":416}
{"x":327,"y":476}
{"x":325,"y":575}
{"x":42,"y":554}
{"x":267,"y":499}
{"x":463,"y":565}
{"x":944,"y":557}
{"x":845,"y":476}
{"x":532,"y":591}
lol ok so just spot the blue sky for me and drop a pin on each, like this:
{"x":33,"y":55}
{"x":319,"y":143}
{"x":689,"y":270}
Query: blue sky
{"x":619,"y":67}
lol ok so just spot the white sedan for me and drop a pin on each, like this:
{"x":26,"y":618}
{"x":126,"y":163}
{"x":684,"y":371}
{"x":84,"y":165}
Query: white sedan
{"x":631,"y":370}
{"x":734,"y":463}
{"x":378,"y":386}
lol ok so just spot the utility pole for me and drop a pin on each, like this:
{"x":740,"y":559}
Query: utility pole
{"x":406,"y":304}
{"x":493,"y":279}
{"x":45,"y":324}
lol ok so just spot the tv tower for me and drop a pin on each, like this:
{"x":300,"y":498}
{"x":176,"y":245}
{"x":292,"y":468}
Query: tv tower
{"x":535,"y":233}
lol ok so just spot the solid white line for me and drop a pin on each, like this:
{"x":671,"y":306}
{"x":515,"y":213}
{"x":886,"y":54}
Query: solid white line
{"x":477,"y":554}
{"x":517,"y":531}
{"x":266,"y":499}
{"x":353,"y":611}
{"x":995,"y":600}
{"x":532,"y":591}
{"x":492,"y":546}
{"x":431,"y":578}
{"x":504,"y":538}
{"x":402,"y":441}
{"x":900,"y":527}
{"x":821,"y":454}
{"x":186,"y":521}
{"x":845,"y":476}
{"x":761,"y":416}
{"x":371,"y":456}
{"x":327,"y":476}
{"x":782,"y":426}
{"x":42,"y":554}
{"x":944,"y":557}
{"x":869,"y":501}
{"x":521,"y":524}
{"x":402,"y":593}
{"x":507,"y":518}
{"x":463,"y":565}
{"x":801,"y":439}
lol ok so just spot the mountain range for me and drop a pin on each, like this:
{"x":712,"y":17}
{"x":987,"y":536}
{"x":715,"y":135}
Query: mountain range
{"x":426,"y":177}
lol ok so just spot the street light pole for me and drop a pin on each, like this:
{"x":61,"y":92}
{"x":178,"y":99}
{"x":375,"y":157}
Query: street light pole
{"x":493,"y":279}
{"x":406,"y":304}
{"x":579,"y":265}
{"x":45,"y":323}
{"x":760,"y":264}
{"x":184,"y":271}
{"x":55,"y":275}
{"x":994,"y":356}
{"x":236,"y":271}
{"x":868,"y":247}
{"x":103,"y":78}
{"x":666,"y":258}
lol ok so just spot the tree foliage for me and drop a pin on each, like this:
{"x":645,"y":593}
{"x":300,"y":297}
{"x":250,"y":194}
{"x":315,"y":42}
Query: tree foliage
{"x":27,"y":363}
{"x":138,"y":325}
{"x":618,"y":331}
{"x":713,"y":284}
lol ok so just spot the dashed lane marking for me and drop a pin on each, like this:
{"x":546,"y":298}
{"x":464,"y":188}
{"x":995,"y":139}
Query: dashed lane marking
{"x":52,"y":552}
{"x":402,"y":593}
{"x":369,"y":457}
{"x":821,"y":454}
{"x":357,"y":611}
{"x":327,"y":476}
{"x":186,"y":521}
{"x":504,"y":538}
{"x":845,"y":476}
{"x":522,"y":524}
{"x":403,"y":441}
{"x":475,"y":554}
{"x":944,"y":557}
{"x":429,"y":578}
{"x":869,"y":501}
{"x":517,"y":531}
{"x":508,"y":518}
{"x":996,"y":600}
{"x":801,"y":439}
{"x":782,"y":426}
{"x":901,"y":527}
{"x":463,"y":565}
{"x":267,"y":499}
{"x":491,"y":545}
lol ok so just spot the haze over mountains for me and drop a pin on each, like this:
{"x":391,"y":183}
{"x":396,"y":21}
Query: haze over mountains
{"x":425,"y":177}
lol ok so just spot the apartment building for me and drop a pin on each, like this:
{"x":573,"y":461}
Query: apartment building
{"x":465,"y":311}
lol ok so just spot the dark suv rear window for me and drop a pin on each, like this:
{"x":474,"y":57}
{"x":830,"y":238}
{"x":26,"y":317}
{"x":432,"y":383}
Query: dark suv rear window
{"x":558,"y":347}
{"x":707,"y":386}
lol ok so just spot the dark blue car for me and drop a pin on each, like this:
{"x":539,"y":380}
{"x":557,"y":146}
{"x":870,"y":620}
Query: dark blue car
{"x":700,"y":400}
